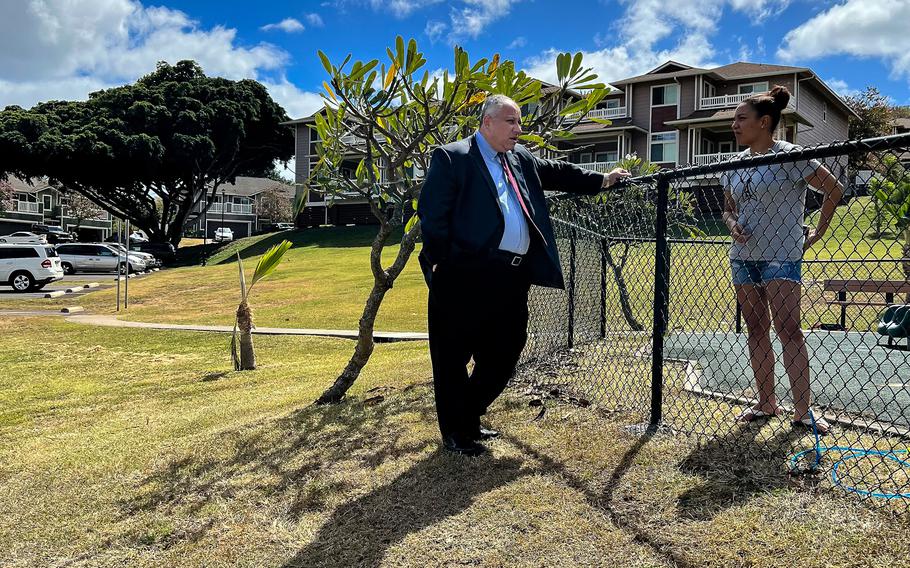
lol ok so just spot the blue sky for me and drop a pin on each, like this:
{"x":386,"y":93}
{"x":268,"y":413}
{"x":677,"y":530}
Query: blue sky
{"x":61,"y":49}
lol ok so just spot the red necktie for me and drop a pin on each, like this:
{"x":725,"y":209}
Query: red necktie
{"x":514,"y":184}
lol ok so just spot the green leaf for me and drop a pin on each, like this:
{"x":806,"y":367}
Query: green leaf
{"x":269,"y":261}
{"x":603,"y":121}
{"x":533,"y":138}
{"x":577,"y":106}
{"x":325,"y":62}
{"x":411,"y":222}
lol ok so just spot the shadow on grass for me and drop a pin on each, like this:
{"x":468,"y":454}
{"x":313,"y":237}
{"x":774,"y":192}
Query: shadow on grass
{"x":308,"y":462}
{"x":737,"y":467}
{"x":603,"y":500}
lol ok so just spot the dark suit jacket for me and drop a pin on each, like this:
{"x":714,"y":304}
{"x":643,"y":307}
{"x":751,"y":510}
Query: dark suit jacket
{"x":460,"y":216}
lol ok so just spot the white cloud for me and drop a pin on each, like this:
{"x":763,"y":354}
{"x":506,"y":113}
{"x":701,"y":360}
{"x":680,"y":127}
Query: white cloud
{"x":841,"y":87}
{"x":289,"y":25}
{"x":520,"y":41}
{"x":59,"y":49}
{"x":401,"y":8}
{"x":435,"y":30}
{"x":651,"y":32}
{"x":296,"y":102}
{"x":856,"y":27}
{"x":314,"y":20}
{"x":471,"y":19}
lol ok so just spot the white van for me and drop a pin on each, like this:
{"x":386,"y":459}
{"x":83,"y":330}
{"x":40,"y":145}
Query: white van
{"x":29,"y":267}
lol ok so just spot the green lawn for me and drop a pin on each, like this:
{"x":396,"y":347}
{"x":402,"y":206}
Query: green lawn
{"x":124,"y":447}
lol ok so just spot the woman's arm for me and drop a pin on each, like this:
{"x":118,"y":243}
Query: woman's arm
{"x":824,"y":181}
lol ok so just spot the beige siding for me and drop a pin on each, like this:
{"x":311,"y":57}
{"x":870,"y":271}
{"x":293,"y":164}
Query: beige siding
{"x":811,"y":106}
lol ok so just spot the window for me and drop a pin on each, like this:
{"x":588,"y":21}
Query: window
{"x":724,"y":147}
{"x":18,"y":252}
{"x":747,"y":88}
{"x":613,"y":103}
{"x":824,"y":112}
{"x":710,"y":90}
{"x":585,"y":158}
{"x":663,"y":147}
{"x":48,"y":202}
{"x":664,"y":95}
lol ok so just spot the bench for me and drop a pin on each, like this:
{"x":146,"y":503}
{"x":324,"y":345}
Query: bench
{"x":867,"y":286}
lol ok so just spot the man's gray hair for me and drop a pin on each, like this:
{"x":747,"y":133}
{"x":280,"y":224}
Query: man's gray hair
{"x":492,"y":105}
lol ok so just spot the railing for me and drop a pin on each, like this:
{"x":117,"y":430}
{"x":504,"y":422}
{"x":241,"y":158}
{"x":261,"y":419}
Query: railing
{"x":704,"y":159}
{"x":728,"y":101}
{"x":353,"y":140}
{"x":602,"y":167}
{"x":27,"y":207}
{"x":608,"y":113}
{"x":232,"y":208}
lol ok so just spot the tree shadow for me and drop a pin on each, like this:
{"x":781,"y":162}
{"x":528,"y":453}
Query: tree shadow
{"x":360,"y":532}
{"x":603,"y":500}
{"x":737,"y":467}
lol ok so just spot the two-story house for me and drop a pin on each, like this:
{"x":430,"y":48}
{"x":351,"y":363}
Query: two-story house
{"x":237,"y":206}
{"x":42,"y":203}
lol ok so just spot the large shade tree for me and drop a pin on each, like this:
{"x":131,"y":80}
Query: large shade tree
{"x":383,"y":120}
{"x":150,"y":152}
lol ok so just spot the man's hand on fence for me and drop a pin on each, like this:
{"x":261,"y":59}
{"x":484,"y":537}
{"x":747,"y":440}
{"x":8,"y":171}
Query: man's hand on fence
{"x":615,"y":175}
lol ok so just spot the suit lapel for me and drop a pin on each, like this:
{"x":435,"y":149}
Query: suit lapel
{"x":520,"y":178}
{"x":474,"y":151}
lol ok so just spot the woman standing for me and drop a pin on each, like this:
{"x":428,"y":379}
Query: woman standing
{"x":763,"y":209}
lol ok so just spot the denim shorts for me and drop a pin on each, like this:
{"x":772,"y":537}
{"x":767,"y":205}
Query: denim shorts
{"x":763,"y":271}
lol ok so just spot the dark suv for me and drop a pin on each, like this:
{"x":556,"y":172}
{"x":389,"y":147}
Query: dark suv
{"x":165,"y":252}
{"x":55,"y":234}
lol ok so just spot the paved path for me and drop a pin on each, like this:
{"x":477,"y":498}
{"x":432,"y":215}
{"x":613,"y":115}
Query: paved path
{"x":112,"y":321}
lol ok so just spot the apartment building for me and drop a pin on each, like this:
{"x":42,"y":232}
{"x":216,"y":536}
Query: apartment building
{"x":673,"y":115}
{"x":237,"y":207}
{"x":41,"y":203}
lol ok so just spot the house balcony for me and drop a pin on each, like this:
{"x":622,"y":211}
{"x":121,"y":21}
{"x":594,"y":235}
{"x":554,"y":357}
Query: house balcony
{"x":606,"y":113}
{"x":705,"y":159}
{"x":27,"y":207}
{"x":232,"y":208}
{"x":724,"y":101}
{"x":601,"y":167}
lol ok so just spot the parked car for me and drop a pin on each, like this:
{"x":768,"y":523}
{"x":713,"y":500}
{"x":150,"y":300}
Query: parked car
{"x":55,"y":233}
{"x":88,"y":257}
{"x":24,"y":237}
{"x":224,"y":234}
{"x":272,"y":227}
{"x":165,"y":252}
{"x":138,"y":237}
{"x":150,"y":260}
{"x":29,"y":267}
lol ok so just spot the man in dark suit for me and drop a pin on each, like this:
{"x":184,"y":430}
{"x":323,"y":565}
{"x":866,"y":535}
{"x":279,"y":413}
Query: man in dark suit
{"x":487,"y":237}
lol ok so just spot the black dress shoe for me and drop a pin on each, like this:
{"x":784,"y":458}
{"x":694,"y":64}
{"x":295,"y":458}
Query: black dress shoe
{"x":458,"y":444}
{"x":481,"y":434}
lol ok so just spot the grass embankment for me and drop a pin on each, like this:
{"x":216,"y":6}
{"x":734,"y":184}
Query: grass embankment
{"x":323,"y":282}
{"x":131,"y":447}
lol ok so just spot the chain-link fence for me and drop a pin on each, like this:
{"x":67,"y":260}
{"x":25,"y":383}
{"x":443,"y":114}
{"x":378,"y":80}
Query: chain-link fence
{"x":735,"y":302}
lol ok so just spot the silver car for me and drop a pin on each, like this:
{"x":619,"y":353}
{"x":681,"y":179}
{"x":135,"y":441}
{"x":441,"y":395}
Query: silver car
{"x":89,"y":257}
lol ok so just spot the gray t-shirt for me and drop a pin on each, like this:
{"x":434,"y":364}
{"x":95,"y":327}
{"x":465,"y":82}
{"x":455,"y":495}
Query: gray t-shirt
{"x":770,"y":203}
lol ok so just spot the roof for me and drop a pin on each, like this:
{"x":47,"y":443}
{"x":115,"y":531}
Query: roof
{"x":738,"y":70}
{"x":250,"y":186}
{"x":22,"y":186}
{"x":614,"y":126}
{"x":743,"y":69}
{"x":726,"y":115}
{"x":902,"y":123}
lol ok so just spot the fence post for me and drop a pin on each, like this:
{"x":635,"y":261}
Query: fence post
{"x":603,"y":287}
{"x":661,"y":304}
{"x":572,"y":238}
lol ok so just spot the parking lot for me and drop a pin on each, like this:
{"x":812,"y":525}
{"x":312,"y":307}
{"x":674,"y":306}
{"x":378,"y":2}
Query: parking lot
{"x":78,"y":280}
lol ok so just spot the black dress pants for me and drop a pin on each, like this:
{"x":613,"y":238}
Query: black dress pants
{"x":477,"y":312}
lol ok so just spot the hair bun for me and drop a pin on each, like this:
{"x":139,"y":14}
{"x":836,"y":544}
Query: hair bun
{"x":781,"y":96}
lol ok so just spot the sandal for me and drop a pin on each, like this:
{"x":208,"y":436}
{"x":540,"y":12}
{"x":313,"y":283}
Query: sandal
{"x":806,"y":422}
{"x":753,"y":414}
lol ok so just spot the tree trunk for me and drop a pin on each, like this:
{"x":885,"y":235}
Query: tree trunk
{"x":245,"y":325}
{"x":624,"y":304}
{"x":382,"y":282}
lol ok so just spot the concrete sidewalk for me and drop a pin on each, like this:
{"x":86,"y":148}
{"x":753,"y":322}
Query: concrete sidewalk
{"x":378,"y":336}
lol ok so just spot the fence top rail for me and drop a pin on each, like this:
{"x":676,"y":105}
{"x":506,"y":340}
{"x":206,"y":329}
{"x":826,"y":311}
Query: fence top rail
{"x":839,"y":148}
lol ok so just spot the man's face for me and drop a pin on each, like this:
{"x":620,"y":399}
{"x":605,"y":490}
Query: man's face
{"x":501,"y":130}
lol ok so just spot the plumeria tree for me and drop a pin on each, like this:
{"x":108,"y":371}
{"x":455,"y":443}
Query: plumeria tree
{"x":383,"y":119}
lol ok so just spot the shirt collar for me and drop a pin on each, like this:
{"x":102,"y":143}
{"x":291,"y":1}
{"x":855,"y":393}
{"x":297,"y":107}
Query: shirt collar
{"x":486,"y":150}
